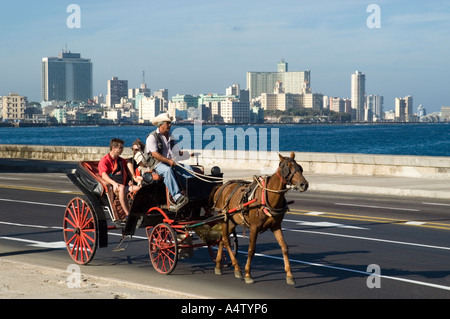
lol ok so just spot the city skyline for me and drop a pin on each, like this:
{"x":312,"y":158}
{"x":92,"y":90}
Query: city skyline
{"x":204,"y":47}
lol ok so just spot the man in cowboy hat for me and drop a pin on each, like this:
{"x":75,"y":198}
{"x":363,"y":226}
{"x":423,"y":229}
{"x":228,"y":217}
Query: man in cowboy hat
{"x":159,"y":145}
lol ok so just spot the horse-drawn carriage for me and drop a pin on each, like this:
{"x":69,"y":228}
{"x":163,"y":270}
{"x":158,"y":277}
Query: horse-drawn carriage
{"x":213,"y":211}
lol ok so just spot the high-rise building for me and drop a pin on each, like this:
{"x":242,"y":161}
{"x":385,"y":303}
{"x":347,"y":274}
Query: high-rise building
{"x":374,"y":107}
{"x":117,"y":89}
{"x":337,"y":104}
{"x":162,"y":94}
{"x":404,"y":109}
{"x":445,"y":112}
{"x":234,"y":111}
{"x":149,"y":108}
{"x":67,"y":77}
{"x":358,"y":97}
{"x":233,"y":90}
{"x":143,"y":90}
{"x":282,"y":66}
{"x":264,"y":82}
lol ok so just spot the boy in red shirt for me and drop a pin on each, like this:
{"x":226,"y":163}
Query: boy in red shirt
{"x":113,"y":169}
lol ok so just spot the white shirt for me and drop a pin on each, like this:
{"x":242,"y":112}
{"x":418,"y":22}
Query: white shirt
{"x":151,"y":144}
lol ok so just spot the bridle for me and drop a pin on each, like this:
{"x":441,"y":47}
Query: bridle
{"x":286,"y":174}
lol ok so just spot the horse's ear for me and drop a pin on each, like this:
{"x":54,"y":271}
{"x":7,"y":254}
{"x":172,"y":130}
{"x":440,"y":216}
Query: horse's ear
{"x":281,"y":157}
{"x":292,"y":155}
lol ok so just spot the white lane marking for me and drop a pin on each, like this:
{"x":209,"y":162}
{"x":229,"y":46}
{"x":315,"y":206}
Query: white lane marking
{"x":39,"y":244}
{"x":414,"y":223}
{"x":326,"y":224}
{"x":367,"y":238}
{"x":42,"y":244}
{"x":32,"y":203}
{"x":379,"y":207}
{"x":11,"y":178}
{"x":415,"y":282}
{"x":435,"y":204}
{"x":23,"y":225}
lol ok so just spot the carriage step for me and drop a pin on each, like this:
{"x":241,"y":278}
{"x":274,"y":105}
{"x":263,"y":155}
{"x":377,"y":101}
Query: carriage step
{"x":119,"y":247}
{"x":120,"y":223}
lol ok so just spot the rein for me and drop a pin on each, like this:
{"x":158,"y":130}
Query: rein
{"x":264,"y":188}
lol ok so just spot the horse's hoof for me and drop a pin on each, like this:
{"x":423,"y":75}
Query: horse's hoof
{"x":290,"y":281}
{"x":249,"y":280}
{"x":238,"y":274}
{"x":218,"y":271}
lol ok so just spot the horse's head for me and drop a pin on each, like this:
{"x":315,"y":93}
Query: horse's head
{"x":292,"y":173}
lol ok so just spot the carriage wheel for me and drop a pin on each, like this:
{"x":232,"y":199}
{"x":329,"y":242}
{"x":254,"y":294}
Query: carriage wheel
{"x":163,"y":248}
{"x":80,"y":230}
{"x":226,"y":260}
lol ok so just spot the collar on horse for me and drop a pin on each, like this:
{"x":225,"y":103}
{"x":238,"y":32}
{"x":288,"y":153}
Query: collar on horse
{"x":266,"y":208}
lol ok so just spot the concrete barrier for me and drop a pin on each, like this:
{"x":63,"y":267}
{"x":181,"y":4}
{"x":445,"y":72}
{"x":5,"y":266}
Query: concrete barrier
{"x":321,"y":163}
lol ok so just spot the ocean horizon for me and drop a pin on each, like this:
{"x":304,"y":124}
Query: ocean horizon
{"x":422,"y":139}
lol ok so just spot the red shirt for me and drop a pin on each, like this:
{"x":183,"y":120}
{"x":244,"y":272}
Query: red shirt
{"x":115,"y":168}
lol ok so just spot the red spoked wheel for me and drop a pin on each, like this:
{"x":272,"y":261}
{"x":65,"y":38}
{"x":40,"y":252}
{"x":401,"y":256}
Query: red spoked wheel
{"x":80,"y":230}
{"x":163,"y":248}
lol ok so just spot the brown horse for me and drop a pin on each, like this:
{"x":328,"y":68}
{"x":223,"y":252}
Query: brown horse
{"x":267,"y":212}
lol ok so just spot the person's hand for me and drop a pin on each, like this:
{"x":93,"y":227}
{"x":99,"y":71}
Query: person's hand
{"x":171,"y":162}
{"x":116,"y":187}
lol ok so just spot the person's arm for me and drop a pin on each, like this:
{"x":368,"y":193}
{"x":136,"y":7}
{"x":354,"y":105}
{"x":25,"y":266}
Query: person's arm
{"x":132,"y":174}
{"x":110,"y":181}
{"x":163,"y":159}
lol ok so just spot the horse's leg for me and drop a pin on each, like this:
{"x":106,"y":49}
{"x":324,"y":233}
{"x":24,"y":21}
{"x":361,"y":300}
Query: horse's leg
{"x":225,"y":242}
{"x":284,"y":249}
{"x":251,"y":253}
{"x":218,"y":269}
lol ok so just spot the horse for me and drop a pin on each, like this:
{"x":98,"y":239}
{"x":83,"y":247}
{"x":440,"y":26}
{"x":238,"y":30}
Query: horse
{"x":267,"y":212}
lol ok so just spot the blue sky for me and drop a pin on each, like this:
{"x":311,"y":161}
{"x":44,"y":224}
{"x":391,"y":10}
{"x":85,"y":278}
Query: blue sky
{"x":199,"y":46}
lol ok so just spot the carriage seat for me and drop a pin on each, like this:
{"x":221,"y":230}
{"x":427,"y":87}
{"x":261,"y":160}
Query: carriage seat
{"x":113,"y":199}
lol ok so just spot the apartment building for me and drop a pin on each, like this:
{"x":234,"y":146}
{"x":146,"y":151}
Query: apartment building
{"x":13,"y":109}
{"x":263,"y":82}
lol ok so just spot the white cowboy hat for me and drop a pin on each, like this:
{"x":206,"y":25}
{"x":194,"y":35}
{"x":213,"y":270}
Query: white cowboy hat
{"x":163,"y":117}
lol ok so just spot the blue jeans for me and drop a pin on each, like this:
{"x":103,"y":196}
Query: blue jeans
{"x":170,"y":179}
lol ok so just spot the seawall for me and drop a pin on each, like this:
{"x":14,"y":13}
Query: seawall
{"x":321,"y":163}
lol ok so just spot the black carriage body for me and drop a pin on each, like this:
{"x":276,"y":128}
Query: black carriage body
{"x":86,"y":178}
{"x":155,"y":195}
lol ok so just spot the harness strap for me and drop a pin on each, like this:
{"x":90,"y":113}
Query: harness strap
{"x":248,"y":195}
{"x":227,"y":202}
{"x":266,"y":208}
{"x":264,"y":203}
{"x":239,"y":183}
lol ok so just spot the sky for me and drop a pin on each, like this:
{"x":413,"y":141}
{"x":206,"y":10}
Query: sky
{"x":199,"y":46}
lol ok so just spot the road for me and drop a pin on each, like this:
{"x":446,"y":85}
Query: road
{"x":341,"y":246}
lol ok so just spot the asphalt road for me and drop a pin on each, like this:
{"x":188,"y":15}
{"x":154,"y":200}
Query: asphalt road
{"x":341,"y":246}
